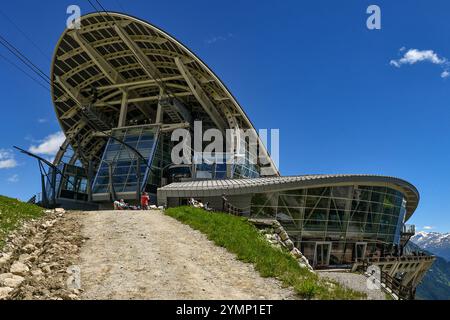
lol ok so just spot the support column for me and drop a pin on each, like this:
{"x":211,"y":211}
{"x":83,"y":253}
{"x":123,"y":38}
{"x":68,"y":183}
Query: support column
{"x":44,"y":192}
{"x":159,"y":110}
{"x":53,"y":186}
{"x":89,"y":180}
{"x":112,"y":191}
{"x":123,"y":110}
{"x":138,"y":180}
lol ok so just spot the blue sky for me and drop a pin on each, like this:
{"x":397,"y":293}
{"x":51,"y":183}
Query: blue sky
{"x":310,"y":68}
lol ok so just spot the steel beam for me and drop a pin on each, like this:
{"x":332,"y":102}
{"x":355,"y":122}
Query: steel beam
{"x":201,"y":96}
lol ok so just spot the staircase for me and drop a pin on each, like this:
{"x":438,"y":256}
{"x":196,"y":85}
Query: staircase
{"x":99,"y":121}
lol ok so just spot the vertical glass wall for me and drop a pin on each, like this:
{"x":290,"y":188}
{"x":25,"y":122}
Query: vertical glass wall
{"x":343,"y":215}
{"x":211,"y":167}
{"x":72,"y":186}
{"x":74,"y":183}
{"x":215,"y":167}
{"x":245,"y":166}
{"x":123,"y":161}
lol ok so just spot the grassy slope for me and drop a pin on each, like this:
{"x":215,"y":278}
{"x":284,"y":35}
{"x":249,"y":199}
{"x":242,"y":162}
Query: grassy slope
{"x":243,"y":239}
{"x":12,"y":212}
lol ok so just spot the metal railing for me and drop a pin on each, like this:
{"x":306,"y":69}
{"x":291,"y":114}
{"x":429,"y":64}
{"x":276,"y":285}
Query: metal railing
{"x":391,"y":284}
{"x":36,"y":198}
{"x":229,"y":208}
{"x":396,"y":287}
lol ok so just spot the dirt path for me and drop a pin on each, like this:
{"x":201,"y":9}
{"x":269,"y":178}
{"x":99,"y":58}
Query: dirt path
{"x":147,"y":255}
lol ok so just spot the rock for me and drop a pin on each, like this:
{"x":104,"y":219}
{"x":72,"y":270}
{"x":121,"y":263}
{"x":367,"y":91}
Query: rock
{"x":278,"y":230}
{"x":289,"y":244}
{"x":4,"y":292}
{"x":60,"y":210}
{"x":276,"y":223}
{"x":46,"y":269}
{"x":19,"y":268}
{"x":302,"y":265}
{"x":14,"y":281}
{"x":10,"y":280}
{"x":29,"y":248}
{"x":24,"y":257}
{"x":4,"y":276}
{"x":48,"y":224}
{"x":4,"y":259}
{"x":284,"y":236}
{"x":36,"y":272}
{"x":296,"y":253}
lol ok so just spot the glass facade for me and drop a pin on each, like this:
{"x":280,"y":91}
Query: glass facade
{"x":342,"y":215}
{"x":72,"y":186}
{"x":74,"y":183}
{"x":215,"y":167}
{"x":123,"y":161}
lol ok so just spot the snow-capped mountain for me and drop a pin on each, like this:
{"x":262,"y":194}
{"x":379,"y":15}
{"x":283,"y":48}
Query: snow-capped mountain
{"x":435,"y":242}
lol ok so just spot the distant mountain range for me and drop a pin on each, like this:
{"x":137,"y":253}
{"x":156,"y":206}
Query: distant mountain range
{"x":434,"y":242}
{"x":436,"y":283}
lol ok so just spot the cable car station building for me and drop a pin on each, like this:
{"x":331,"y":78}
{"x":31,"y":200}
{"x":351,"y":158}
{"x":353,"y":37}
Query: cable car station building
{"x":121,"y":86}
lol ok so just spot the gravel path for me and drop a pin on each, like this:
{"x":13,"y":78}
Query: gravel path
{"x":147,"y":255}
{"x":353,"y":281}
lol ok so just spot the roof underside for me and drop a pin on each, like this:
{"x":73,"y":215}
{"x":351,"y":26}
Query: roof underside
{"x":271,"y":184}
{"x":115,"y":53}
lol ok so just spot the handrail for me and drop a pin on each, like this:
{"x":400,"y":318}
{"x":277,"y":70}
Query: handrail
{"x":393,"y":284}
{"x":402,"y":292}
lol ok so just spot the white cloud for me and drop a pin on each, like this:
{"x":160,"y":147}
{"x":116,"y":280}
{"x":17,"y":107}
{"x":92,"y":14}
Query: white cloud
{"x":428,"y":227}
{"x":50,"y":145}
{"x":7,"y":160}
{"x":413,"y":56}
{"x":445,"y":74}
{"x":42,"y":120}
{"x":218,"y":38}
{"x":14,"y":178}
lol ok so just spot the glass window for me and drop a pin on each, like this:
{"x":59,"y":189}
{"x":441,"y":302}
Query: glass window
{"x":123,"y":159}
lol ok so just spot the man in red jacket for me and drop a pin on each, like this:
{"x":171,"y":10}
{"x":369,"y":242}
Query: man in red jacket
{"x":145,"y":199}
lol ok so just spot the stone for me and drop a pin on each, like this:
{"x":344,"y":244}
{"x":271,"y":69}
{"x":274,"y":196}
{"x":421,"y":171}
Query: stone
{"x":29,"y":248}
{"x":302,"y":265}
{"x":14,"y":281}
{"x":4,"y":259}
{"x":36,"y":272}
{"x":4,"y":276}
{"x":284,"y":236}
{"x":4,"y":292}
{"x":60,"y":210}
{"x":296,"y":253}
{"x":19,"y":268}
{"x":278,"y":230}
{"x":276,"y":223}
{"x":24,"y":257}
{"x":289,"y":244}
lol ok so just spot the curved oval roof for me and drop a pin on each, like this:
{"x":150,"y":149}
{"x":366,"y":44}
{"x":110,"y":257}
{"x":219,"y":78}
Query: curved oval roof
{"x":271,"y":184}
{"x":113,"y":53}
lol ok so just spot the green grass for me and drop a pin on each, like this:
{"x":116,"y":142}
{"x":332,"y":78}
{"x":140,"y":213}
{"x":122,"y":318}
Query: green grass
{"x":13,"y":212}
{"x":240,"y":237}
